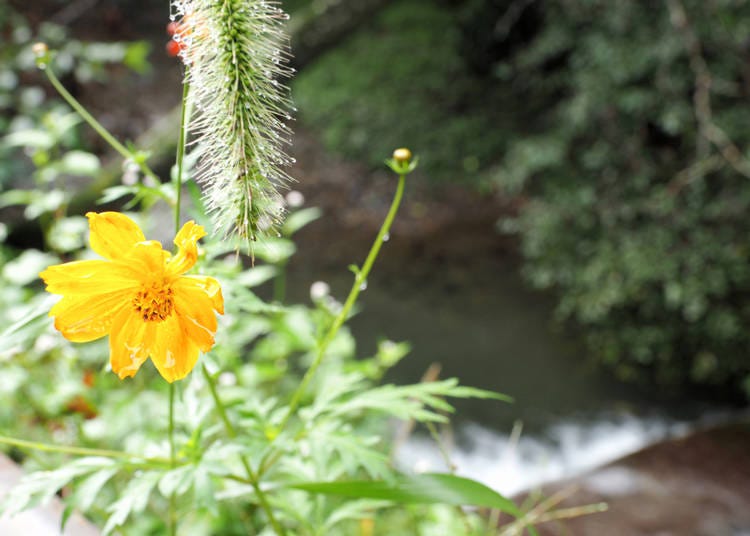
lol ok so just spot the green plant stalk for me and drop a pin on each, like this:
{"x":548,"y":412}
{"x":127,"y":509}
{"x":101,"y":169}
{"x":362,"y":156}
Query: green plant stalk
{"x":251,"y":475}
{"x":81,"y":451}
{"x":97,"y":126}
{"x":360,"y":279}
{"x":181,"y":153}
{"x":172,"y":500}
{"x":178,"y":186}
{"x":279,"y":282}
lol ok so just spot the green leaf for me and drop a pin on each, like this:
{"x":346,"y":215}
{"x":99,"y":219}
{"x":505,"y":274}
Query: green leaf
{"x":39,"y":487}
{"x":177,"y":481}
{"x":26,"y":267}
{"x":256,"y":276}
{"x":136,"y":56}
{"x":21,"y":332}
{"x":132,"y":500}
{"x":38,"y":139}
{"x":87,"y":490}
{"x":429,"y":488}
{"x":80,"y":163}
{"x":299,"y":219}
{"x":68,"y":234}
{"x":274,"y":250}
{"x":43,"y":202}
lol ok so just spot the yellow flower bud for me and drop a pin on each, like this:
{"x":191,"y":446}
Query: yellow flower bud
{"x":41,"y":54}
{"x":40,"y":49}
{"x":402,"y":155}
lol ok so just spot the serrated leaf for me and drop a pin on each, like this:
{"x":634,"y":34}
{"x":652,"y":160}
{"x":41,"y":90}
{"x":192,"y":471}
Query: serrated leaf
{"x":87,"y":490}
{"x":132,"y":500}
{"x":39,"y":487}
{"x":177,"y":481}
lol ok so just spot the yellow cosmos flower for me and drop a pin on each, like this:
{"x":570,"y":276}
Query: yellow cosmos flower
{"x":139,"y":296}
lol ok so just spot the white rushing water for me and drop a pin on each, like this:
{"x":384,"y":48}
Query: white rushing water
{"x":514,"y":463}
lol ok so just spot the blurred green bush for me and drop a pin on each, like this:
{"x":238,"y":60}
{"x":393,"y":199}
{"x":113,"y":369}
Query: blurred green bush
{"x":402,"y":79}
{"x":634,"y":181}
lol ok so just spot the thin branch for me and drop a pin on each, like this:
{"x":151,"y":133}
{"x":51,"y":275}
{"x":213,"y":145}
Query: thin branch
{"x":709,"y":133}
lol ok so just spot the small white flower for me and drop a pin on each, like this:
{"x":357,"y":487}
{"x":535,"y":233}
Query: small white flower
{"x":295,"y":199}
{"x":227,"y":379}
{"x":319,"y":290}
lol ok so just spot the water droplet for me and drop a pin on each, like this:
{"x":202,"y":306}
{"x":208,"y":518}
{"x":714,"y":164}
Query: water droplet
{"x":363,"y":285}
{"x":386,"y":237}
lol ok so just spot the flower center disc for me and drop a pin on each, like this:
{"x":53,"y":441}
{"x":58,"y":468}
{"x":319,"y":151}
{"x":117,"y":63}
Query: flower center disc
{"x":154,"y":304}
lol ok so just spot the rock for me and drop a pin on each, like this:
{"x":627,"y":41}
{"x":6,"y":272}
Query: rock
{"x":39,"y":521}
{"x":698,"y":485}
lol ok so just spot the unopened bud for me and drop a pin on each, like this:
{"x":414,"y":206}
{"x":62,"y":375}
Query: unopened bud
{"x":402,"y":155}
{"x":41,"y":54}
{"x":402,"y":162}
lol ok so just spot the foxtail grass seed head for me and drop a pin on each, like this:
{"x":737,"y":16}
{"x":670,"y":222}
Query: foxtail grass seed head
{"x":236,"y":53}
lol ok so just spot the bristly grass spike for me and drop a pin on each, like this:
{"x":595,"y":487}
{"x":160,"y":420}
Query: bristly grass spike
{"x":236,"y":55}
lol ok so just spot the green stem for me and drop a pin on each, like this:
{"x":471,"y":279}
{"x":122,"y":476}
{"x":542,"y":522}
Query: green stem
{"x":178,"y":187}
{"x":251,"y":475}
{"x":360,"y":279}
{"x":79,"y":451}
{"x":181,"y":152}
{"x":172,"y":499}
{"x":97,"y":126}
{"x":279,"y":283}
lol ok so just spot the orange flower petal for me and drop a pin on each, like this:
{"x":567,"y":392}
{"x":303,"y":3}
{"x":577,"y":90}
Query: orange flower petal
{"x":174,"y":353}
{"x":113,"y":234}
{"x":186,"y":240}
{"x":147,"y":259}
{"x":130,"y":342}
{"x":86,"y":318}
{"x":193,"y":301}
{"x":193,"y":285}
{"x":89,"y":277}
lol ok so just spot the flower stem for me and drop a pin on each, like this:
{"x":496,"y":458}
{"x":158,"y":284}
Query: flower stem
{"x":178,"y":187}
{"x":97,"y":126}
{"x":79,"y":451}
{"x":181,"y":153}
{"x":172,"y":500}
{"x":251,"y":475}
{"x":360,"y":280}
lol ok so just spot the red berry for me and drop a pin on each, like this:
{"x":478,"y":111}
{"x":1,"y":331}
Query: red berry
{"x":172,"y":28}
{"x":174,"y":48}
